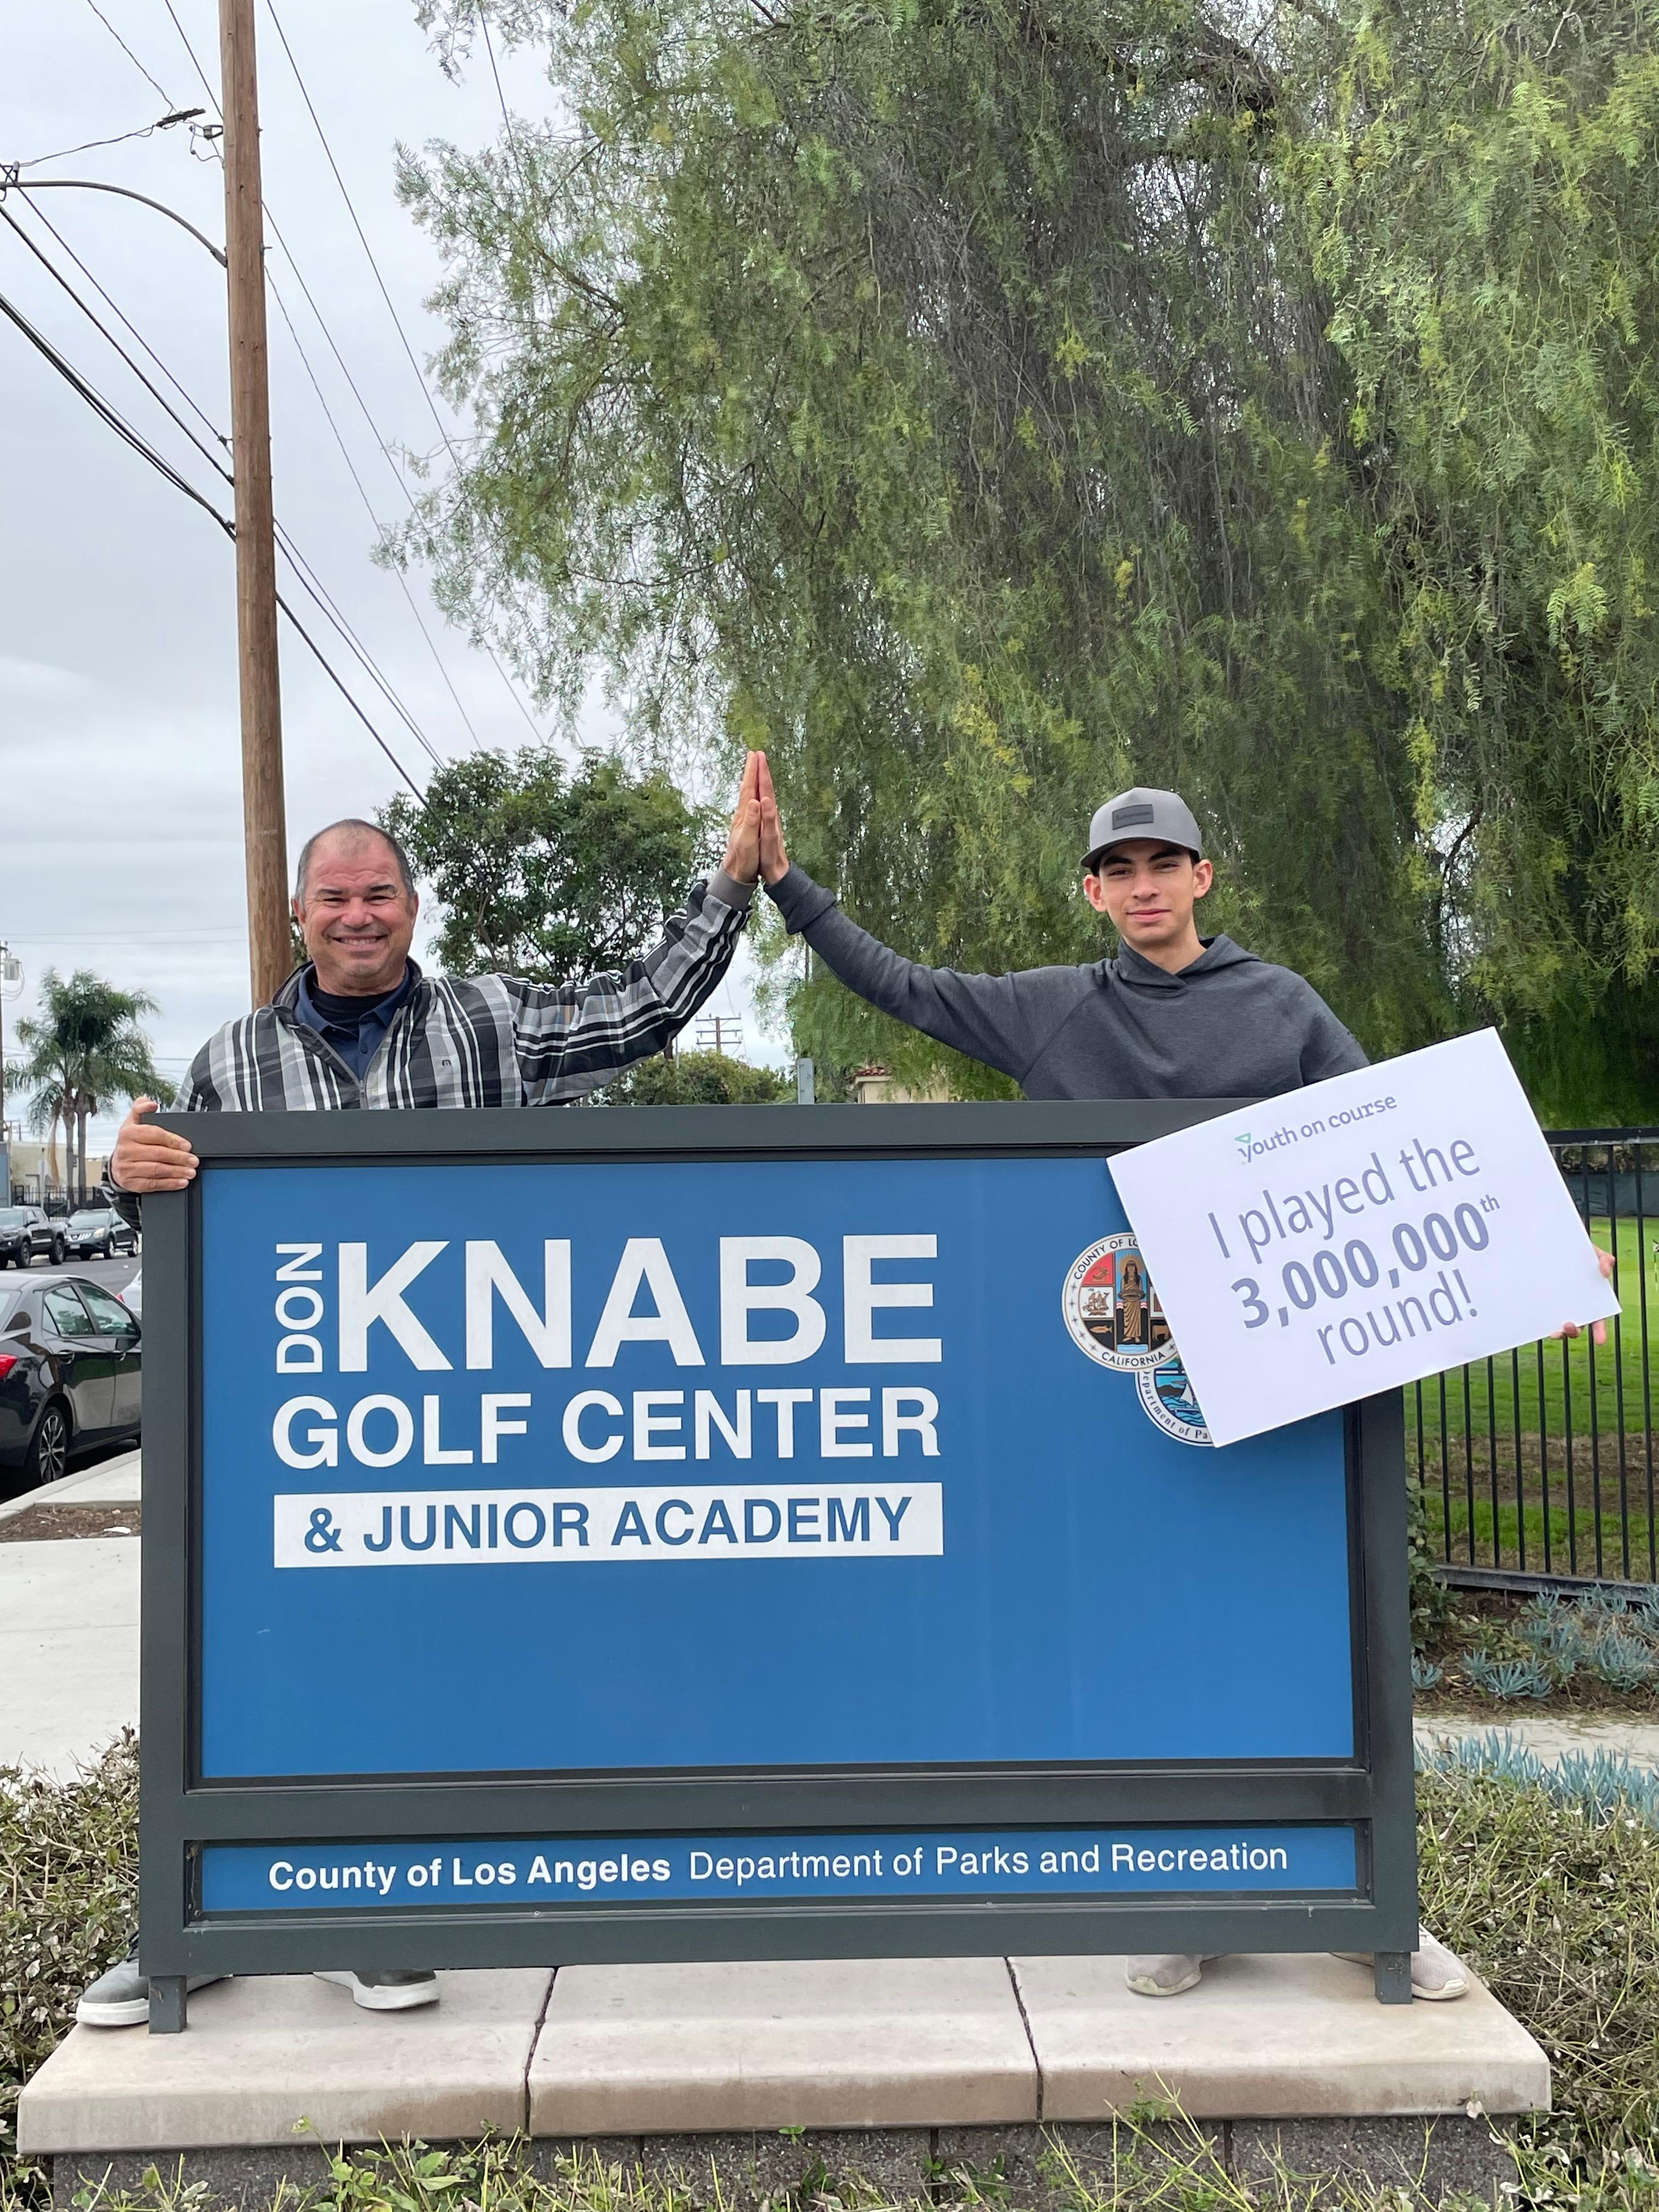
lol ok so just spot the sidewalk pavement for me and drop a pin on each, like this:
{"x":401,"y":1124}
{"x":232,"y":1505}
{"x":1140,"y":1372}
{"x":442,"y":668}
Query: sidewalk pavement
{"x":1548,"y":1736}
{"x":69,"y":1628}
{"x":111,"y":1482}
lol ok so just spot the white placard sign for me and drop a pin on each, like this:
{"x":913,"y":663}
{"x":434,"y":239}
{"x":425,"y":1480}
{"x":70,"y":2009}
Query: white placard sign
{"x":1357,"y":1235}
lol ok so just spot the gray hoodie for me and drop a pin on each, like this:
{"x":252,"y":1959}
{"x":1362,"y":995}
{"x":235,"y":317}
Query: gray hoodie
{"x":1229,"y":1026}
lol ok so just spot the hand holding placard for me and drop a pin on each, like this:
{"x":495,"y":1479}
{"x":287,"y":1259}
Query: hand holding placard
{"x":1598,"y":1329}
{"x":1359,"y":1234}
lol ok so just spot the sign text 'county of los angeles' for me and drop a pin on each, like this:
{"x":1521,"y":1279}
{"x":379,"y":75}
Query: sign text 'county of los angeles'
{"x":1359,"y":1235}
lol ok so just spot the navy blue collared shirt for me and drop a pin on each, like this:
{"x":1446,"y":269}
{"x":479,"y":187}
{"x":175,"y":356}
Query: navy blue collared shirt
{"x":357,"y":1036}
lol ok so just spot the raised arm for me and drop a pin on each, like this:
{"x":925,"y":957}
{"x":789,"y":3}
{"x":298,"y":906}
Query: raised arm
{"x":572,"y":1038}
{"x":987,"y":1016}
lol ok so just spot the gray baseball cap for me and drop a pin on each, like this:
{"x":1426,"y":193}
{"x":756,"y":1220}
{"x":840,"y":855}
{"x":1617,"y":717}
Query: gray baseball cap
{"x":1164,"y":815}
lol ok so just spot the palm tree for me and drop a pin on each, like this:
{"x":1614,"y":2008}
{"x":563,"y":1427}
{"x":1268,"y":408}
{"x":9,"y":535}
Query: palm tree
{"x":48,"y":1107}
{"x":85,"y":1048}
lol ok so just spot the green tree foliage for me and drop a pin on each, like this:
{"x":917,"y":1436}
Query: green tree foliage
{"x":546,"y":874}
{"x":84,"y":1050}
{"x":987,"y":403}
{"x":1483,"y":209}
{"x":697,"y":1079}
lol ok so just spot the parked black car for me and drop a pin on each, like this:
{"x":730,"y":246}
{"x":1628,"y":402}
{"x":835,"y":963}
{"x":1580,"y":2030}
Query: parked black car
{"x":25,"y":1233}
{"x":93,"y":1233}
{"x":71,"y":1373}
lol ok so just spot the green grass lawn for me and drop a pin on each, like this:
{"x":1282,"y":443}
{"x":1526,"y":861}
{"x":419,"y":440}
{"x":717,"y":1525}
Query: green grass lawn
{"x":1619,"y":1545}
{"x":1504,"y":1395}
{"x":1490,"y":1444}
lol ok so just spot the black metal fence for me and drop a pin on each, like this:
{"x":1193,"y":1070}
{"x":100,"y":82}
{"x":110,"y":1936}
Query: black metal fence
{"x":1538,"y":1466}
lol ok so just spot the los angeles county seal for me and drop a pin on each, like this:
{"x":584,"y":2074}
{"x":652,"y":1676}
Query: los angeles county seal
{"x":1167,"y":1400}
{"x":1111,"y":1308}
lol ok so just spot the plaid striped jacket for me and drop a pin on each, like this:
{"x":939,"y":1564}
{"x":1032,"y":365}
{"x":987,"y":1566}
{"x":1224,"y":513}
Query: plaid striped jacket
{"x":480,"y":1040}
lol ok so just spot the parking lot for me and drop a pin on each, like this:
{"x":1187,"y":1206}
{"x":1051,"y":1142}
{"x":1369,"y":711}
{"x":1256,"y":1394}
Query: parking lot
{"x":114,"y":1273}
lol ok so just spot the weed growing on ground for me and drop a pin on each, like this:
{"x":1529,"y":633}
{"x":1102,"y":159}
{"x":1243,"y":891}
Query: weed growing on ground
{"x":69,"y":1884}
{"x":1555,"y":1903}
{"x":1546,"y":1880}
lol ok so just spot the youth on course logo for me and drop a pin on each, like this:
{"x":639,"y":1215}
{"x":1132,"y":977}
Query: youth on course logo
{"x":1111,"y":1308}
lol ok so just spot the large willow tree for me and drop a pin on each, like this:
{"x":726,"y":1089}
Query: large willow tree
{"x":983,"y":406}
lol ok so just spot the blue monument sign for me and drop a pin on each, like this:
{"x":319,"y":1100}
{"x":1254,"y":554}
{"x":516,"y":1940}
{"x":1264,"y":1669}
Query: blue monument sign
{"x":723,"y":1533}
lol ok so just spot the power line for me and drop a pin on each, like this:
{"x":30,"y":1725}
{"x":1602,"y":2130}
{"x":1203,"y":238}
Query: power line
{"x":58,"y":277}
{"x":396,"y":320}
{"x":106,"y":414}
{"x":362,"y":237}
{"x":184,"y":39}
{"x":289,"y":547}
{"x":369,"y":508}
{"x":299,"y":275}
{"x":375,"y":431}
{"x":308,"y":578}
{"x":308,"y":575}
{"x":501,"y":96}
{"x":86,"y":145}
{"x":126,"y":48}
{"x":313,"y":584}
{"x":115,"y":421}
{"x":138,"y":337}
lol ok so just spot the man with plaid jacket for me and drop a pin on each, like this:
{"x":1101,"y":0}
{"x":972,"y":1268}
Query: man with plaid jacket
{"x":360,"y":1026}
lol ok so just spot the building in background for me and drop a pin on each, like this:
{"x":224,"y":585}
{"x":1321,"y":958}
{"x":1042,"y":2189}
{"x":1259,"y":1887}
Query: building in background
{"x":37,"y":1172}
{"x":872,"y":1085}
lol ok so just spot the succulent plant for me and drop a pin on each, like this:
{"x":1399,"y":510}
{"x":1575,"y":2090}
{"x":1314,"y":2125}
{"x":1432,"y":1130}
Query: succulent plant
{"x":1506,"y":1678}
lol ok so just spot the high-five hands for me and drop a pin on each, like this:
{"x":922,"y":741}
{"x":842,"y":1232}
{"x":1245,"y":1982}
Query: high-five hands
{"x":742,"y":846}
{"x":754,"y":846}
{"x":773,"y":860}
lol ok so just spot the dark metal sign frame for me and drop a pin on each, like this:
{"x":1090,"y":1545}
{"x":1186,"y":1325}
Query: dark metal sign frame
{"x":181,"y":1813}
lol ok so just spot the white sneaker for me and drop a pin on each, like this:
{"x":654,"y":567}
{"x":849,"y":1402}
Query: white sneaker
{"x":1165,"y":1973}
{"x":120,"y":1997}
{"x":1438,"y":1975}
{"x":389,"y":1992}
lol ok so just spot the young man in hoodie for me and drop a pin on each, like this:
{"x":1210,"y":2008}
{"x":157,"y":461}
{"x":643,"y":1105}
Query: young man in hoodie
{"x":1173,"y":1016}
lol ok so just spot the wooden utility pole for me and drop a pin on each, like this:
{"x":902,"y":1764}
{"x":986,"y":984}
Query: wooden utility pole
{"x":264,"y":826}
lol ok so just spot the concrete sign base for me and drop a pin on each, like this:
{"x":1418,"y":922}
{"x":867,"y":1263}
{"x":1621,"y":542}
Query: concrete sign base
{"x":900,"y":2060}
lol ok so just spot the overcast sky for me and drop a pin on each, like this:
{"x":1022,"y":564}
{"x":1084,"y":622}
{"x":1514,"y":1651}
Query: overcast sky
{"x":120,"y":808}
